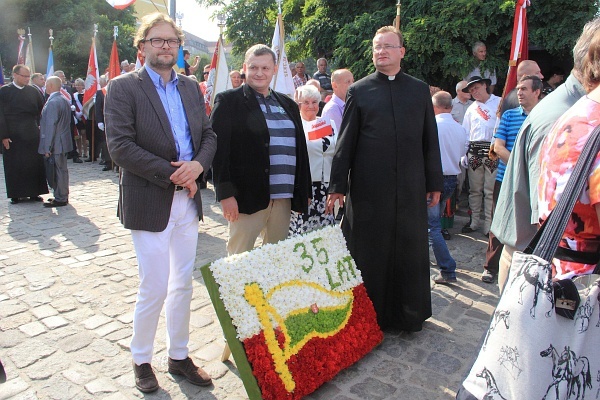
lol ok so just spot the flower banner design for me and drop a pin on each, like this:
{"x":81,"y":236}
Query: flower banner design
{"x":294,"y":314}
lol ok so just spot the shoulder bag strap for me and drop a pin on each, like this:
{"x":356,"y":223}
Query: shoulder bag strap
{"x":547,"y":239}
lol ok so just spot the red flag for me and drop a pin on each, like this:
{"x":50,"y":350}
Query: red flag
{"x":120,"y":4}
{"x":92,"y":80}
{"x":139,"y":61}
{"x":114,"y":68}
{"x":519,"y":49}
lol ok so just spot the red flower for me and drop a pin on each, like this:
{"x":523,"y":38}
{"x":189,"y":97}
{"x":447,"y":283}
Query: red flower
{"x":320,"y":359}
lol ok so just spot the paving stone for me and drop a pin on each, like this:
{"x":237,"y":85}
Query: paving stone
{"x":14,"y":321}
{"x":126,"y":318}
{"x":29,"y":352}
{"x":76,"y":342}
{"x":200,"y":321}
{"x":96,"y":321}
{"x":33,"y":328}
{"x":12,"y":388}
{"x":47,"y":367}
{"x":372,"y":389}
{"x":104,"y":348}
{"x":55,"y":322}
{"x":108,"y":328}
{"x":12,"y":307}
{"x":119,"y":335}
{"x":36,"y":299}
{"x":210,"y":352}
{"x":44,"y":311}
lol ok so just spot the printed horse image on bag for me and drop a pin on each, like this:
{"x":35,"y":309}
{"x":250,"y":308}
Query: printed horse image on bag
{"x":499,"y":316}
{"x":541,"y":282}
{"x":492,"y":392}
{"x":573,"y":370}
{"x":584,"y":312}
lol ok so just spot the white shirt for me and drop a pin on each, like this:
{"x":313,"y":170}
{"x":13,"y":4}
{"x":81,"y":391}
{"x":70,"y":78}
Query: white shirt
{"x":334,"y":110}
{"x":480,"y":119}
{"x":319,"y":160}
{"x":454,"y":143}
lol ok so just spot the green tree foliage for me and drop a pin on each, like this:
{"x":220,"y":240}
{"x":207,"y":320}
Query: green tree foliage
{"x":72,"y":22}
{"x":438,"y":34}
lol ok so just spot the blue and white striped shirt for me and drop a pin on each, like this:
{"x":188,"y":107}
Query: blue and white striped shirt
{"x":509,"y":127}
{"x":282,"y":147}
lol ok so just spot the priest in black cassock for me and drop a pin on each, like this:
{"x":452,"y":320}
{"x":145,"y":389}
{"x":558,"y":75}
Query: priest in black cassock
{"x":20,"y":108}
{"x":387,"y":163}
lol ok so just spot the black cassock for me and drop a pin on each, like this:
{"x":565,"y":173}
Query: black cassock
{"x":387,"y":158}
{"x":19,"y":116}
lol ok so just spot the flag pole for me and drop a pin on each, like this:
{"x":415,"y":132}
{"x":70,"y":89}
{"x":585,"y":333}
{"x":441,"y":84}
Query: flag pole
{"x":397,"y":20}
{"x":221,"y":25}
{"x":280,"y":23}
{"x":93,"y":155}
{"x":31,"y":47}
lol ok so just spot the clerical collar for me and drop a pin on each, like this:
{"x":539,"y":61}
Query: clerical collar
{"x":17,"y":86}
{"x":389,"y":77}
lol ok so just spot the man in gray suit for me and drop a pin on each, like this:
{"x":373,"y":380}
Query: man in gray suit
{"x":55,"y":139}
{"x":160,"y":136}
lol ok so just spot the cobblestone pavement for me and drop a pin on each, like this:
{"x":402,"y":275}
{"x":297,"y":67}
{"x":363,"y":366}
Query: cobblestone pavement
{"x":68,"y":281}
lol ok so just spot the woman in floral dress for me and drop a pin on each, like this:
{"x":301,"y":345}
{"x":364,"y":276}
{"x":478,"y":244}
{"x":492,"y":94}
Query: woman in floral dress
{"x":320,"y":141}
{"x":562,"y":148}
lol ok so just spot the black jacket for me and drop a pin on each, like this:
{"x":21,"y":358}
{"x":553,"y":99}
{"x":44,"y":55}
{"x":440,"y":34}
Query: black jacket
{"x":241,"y":164}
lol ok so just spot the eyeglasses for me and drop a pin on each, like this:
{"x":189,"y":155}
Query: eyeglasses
{"x":386,"y":47}
{"x":24,"y":76}
{"x":206,"y":73}
{"x":158,"y":42}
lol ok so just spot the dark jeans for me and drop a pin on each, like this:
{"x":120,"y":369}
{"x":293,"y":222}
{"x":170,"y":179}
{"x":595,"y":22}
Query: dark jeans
{"x":443,"y":258}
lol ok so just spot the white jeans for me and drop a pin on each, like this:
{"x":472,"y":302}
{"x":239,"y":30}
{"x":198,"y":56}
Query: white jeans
{"x":166,"y":262}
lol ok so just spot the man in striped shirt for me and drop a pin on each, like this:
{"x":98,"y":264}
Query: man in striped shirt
{"x":529,"y":89}
{"x":261,"y":169}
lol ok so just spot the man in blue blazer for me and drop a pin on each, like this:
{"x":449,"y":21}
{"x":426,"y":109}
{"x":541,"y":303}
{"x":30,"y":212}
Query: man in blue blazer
{"x":261,"y":169}
{"x":160,"y":136}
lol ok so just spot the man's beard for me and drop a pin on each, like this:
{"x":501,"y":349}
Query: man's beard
{"x":158,"y":64}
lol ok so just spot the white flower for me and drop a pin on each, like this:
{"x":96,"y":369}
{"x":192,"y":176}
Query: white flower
{"x":318,"y":257}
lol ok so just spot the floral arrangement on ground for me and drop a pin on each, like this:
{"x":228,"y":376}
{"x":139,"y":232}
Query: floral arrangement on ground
{"x":299,"y":308}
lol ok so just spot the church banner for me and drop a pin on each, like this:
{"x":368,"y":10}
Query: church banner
{"x":291,"y":309}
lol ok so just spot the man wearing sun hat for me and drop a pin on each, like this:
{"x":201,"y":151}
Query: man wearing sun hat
{"x":479,"y":122}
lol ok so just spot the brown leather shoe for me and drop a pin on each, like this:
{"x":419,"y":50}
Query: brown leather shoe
{"x":145,"y":380}
{"x":194,"y":375}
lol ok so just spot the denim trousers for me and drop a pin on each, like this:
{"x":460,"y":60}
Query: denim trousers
{"x":443,"y":258}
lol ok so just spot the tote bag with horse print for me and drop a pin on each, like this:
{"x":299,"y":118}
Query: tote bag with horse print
{"x":530,"y":352}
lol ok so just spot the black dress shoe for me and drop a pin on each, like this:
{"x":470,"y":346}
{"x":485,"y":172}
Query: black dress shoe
{"x":35,"y":198}
{"x":107,"y":168}
{"x":77,"y":160}
{"x":102,"y":162}
{"x":55,"y":203}
{"x":88,"y":160}
{"x":467,"y":229}
{"x":14,"y":200}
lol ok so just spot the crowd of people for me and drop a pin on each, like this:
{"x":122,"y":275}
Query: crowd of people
{"x":382,"y":150}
